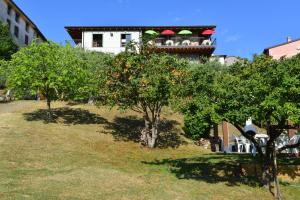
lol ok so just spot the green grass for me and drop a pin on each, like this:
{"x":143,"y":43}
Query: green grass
{"x":90,"y":153}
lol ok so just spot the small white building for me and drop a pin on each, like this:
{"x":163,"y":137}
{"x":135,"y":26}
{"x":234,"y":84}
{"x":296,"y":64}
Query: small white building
{"x":187,"y":41}
{"x":225,"y":60}
{"x":23,"y":30}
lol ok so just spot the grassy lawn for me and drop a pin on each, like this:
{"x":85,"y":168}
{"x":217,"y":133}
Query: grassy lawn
{"x":90,"y":153}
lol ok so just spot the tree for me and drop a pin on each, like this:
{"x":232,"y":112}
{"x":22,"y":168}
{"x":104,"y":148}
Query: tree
{"x":97,"y":63}
{"x":198,"y":102}
{"x":7,"y":45}
{"x":49,"y":69}
{"x":144,"y":82}
{"x":264,"y":89}
{"x":268,"y":91}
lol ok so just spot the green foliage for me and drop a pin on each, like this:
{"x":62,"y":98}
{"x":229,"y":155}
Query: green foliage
{"x":3,"y":73}
{"x":144,"y":82}
{"x":7,"y":46}
{"x":97,"y":64}
{"x":49,"y":69}
{"x":135,"y":79}
{"x":265,"y":89}
{"x":199,"y":99}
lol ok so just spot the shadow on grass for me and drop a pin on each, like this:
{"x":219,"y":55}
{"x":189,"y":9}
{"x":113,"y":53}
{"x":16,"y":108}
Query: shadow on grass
{"x":67,"y":116}
{"x":122,"y":129}
{"x":129,"y":129}
{"x":209,"y":168}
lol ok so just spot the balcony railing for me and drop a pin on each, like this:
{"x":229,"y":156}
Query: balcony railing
{"x":184,"y":42}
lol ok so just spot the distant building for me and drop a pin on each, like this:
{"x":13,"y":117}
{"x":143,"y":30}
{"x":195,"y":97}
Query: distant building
{"x":224,"y":59}
{"x":288,"y":49}
{"x":23,"y":30}
{"x":186,"y":41}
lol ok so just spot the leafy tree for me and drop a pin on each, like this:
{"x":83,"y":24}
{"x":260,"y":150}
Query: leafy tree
{"x":49,"y":69}
{"x":268,"y":91}
{"x":199,"y":99}
{"x":7,"y":46}
{"x":144,"y":82}
{"x":264,"y":89}
{"x":97,"y":64}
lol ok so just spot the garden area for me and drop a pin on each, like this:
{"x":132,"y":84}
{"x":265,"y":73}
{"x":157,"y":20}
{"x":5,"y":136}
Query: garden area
{"x":82,"y":156}
{"x":76,"y":124}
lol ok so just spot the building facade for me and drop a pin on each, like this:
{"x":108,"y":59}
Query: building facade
{"x":288,"y":49}
{"x":22,"y":29}
{"x":190,"y":41}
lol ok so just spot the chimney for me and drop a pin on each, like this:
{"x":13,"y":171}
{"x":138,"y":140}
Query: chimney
{"x":289,"y":39}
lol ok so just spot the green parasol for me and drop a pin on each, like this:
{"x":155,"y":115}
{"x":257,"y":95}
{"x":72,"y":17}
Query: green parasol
{"x":151,"y":32}
{"x":185,"y":32}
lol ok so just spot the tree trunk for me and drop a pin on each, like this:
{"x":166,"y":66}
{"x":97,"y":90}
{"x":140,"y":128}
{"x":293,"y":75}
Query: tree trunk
{"x":154,"y":135}
{"x":49,"y":113}
{"x":149,"y":134}
{"x":145,"y":133}
{"x":267,"y":169}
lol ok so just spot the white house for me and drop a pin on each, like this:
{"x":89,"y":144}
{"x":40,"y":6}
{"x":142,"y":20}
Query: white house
{"x":189,"y":41}
{"x":23,"y":30}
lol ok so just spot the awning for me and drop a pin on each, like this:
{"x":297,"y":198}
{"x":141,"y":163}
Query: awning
{"x":168,"y":32}
{"x":208,"y":32}
{"x":185,"y":32}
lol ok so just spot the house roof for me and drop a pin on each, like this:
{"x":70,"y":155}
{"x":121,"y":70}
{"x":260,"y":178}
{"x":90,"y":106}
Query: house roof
{"x":76,"y":31}
{"x":278,"y":45}
{"x":14,"y":5}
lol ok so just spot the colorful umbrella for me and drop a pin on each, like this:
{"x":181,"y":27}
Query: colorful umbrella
{"x":168,"y":32}
{"x":208,"y":32}
{"x":185,"y":32}
{"x":151,"y":32}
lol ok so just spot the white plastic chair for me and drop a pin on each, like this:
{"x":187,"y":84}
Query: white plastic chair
{"x":281,"y":141}
{"x":239,"y":144}
{"x":246,"y":144}
{"x":170,"y":43}
{"x":262,"y":139}
{"x":294,"y":140}
{"x":206,"y":42}
{"x":186,"y":42}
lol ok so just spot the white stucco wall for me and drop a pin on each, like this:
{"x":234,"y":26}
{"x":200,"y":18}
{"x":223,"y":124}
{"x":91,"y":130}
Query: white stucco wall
{"x":21,"y":24}
{"x":3,"y":8}
{"x":111,"y":43}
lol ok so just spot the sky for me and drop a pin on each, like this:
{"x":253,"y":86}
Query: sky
{"x":244,"y":27}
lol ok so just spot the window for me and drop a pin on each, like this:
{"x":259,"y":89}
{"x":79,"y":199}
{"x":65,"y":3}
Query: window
{"x":125,"y":39}
{"x":8,"y":9}
{"x":97,"y":40}
{"x":8,"y":23}
{"x":17,"y":18}
{"x":26,"y":39}
{"x":16,"y":31}
{"x":27,"y":27}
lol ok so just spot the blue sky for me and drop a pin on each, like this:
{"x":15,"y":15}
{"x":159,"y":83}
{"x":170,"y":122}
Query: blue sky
{"x":244,"y":27}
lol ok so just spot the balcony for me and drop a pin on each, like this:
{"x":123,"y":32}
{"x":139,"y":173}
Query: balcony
{"x":189,"y":45}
